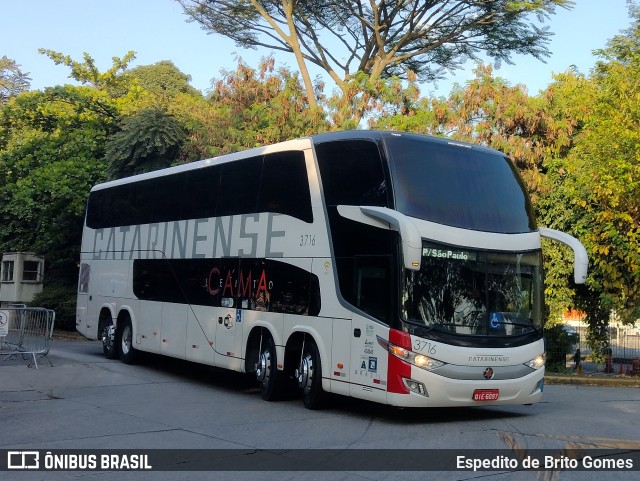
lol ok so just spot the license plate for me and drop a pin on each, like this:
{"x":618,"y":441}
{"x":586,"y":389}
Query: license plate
{"x":486,"y":394}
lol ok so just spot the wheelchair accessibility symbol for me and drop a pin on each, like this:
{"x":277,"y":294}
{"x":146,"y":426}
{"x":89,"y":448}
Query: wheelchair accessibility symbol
{"x":494,"y":322}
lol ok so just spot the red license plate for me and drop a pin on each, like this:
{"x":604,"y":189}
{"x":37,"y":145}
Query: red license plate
{"x":486,"y":394}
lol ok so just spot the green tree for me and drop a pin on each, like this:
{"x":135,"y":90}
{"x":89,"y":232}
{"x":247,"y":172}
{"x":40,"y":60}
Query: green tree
{"x":86,"y":72}
{"x":50,"y":151}
{"x":567,"y":106}
{"x":603,"y":172}
{"x":373,"y":100}
{"x":163,"y":79}
{"x":52,"y":146}
{"x":12,"y":79}
{"x":247,"y":108}
{"x":147,"y":140}
{"x":592,"y":188}
{"x":380,"y":39}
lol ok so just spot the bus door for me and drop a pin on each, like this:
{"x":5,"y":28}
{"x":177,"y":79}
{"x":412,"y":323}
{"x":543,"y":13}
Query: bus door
{"x":368,"y":360}
{"x":368,"y":357}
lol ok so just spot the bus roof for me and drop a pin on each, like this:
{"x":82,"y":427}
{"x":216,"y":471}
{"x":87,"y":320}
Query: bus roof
{"x":378,"y":135}
{"x":297,"y":144}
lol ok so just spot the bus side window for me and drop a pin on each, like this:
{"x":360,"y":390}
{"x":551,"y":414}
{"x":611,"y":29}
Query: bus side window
{"x":284,"y":188}
{"x":163,"y":197}
{"x":352,"y":173}
{"x":372,"y":286}
{"x":239,"y":187}
{"x":201,"y":192}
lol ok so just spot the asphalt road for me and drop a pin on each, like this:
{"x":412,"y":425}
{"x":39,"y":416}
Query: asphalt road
{"x":83,"y":401}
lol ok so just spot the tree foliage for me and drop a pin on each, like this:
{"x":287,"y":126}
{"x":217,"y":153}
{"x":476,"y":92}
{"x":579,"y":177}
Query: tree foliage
{"x":50,"y":151}
{"x":248,"y":108}
{"x":12,"y":79}
{"x":147,"y":140}
{"x":87,"y":73}
{"x":599,"y":178}
{"x":381,"y":39}
{"x":163,"y":79}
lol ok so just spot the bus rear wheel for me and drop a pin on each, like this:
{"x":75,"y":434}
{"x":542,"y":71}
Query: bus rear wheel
{"x":108,"y":336}
{"x":270,"y":380}
{"x":109,"y":341}
{"x":309,"y":377}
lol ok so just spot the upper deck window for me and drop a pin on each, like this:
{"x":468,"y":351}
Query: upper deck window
{"x":458,"y":185}
{"x":275,"y":182}
{"x":352,"y":173}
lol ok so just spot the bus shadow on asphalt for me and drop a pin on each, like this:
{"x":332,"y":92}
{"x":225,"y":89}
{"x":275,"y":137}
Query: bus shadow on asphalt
{"x":238,"y":383}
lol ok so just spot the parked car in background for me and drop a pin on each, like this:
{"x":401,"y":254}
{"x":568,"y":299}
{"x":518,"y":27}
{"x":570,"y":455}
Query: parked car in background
{"x":570,"y":330}
{"x":572,"y":335}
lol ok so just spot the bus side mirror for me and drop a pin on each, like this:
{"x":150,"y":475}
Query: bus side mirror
{"x":385,"y":218}
{"x":409,"y":234}
{"x":580,"y":259}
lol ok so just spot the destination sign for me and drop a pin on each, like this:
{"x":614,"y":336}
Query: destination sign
{"x":453,"y":254}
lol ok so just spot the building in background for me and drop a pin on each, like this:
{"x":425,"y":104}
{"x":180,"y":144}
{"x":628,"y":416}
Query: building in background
{"x":21,"y":277}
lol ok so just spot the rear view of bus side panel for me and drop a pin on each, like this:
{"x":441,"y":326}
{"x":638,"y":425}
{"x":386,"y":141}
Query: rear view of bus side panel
{"x":103,"y":287}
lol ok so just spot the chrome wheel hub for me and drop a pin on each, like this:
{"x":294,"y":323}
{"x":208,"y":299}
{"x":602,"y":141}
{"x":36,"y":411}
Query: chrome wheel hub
{"x":263,"y":368}
{"x":108,"y":336}
{"x":304,"y":373}
{"x":126,"y":339}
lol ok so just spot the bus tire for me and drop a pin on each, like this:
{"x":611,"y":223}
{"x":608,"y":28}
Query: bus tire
{"x":309,"y":377}
{"x":270,"y":380}
{"x":125,"y":338}
{"x":108,"y":336}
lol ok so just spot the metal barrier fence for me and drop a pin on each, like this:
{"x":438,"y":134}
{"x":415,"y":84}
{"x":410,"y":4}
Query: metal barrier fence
{"x":26,"y":332}
{"x":623,"y":352}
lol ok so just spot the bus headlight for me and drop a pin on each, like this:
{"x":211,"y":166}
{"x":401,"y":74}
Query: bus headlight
{"x":537,"y":362}
{"x":418,"y":360}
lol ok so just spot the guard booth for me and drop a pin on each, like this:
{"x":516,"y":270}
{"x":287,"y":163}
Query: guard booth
{"x":21,"y":277}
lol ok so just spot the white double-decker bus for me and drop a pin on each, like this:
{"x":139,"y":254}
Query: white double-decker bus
{"x":398,"y":268}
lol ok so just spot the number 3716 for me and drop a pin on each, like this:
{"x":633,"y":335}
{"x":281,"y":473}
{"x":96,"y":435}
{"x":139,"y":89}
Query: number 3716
{"x":420,"y":345}
{"x":307,"y":240}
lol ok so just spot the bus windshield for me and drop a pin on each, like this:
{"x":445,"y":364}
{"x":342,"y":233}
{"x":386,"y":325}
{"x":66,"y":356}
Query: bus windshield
{"x":458,"y":185}
{"x":475,"y":293}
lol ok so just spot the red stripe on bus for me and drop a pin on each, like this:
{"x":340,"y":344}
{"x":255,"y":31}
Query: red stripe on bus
{"x":398,"y":369}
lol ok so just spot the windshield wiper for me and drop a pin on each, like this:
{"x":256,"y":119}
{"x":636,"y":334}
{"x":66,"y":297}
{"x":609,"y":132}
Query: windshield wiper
{"x":520,"y":324}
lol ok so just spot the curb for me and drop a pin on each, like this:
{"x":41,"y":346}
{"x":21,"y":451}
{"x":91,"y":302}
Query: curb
{"x":593,"y":380}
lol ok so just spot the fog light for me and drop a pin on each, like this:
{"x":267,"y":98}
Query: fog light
{"x":416,"y":387}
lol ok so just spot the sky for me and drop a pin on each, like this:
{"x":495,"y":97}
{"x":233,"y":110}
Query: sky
{"x":158,"y":30}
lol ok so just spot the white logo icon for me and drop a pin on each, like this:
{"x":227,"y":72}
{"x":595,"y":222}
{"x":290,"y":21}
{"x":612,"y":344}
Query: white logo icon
{"x":23,"y":460}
